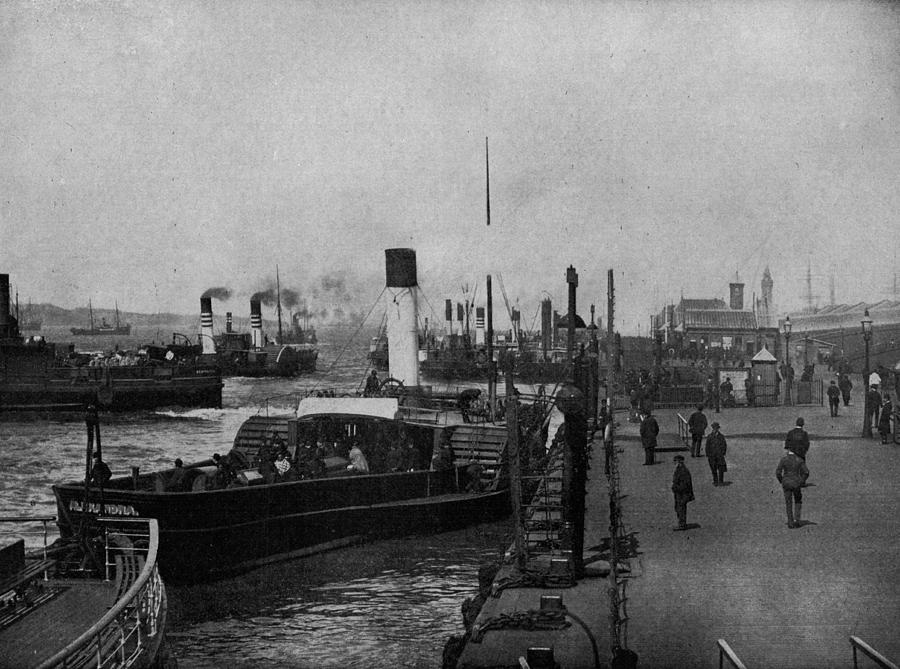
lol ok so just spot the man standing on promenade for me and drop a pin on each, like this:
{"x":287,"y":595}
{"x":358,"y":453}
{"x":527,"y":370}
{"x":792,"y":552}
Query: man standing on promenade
{"x":884,"y":424}
{"x":873,"y":403}
{"x":846,"y":385}
{"x":697,"y":425}
{"x":716,"y":446}
{"x":683,"y":488}
{"x":792,"y":473}
{"x":649,"y":432}
{"x":797,"y":440}
{"x":834,"y":398}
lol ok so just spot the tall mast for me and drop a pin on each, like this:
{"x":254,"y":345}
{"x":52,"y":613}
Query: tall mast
{"x":91,"y":313}
{"x":487,"y":179}
{"x":278,"y":303}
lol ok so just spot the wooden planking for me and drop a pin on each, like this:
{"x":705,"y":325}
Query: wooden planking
{"x":52,"y":626}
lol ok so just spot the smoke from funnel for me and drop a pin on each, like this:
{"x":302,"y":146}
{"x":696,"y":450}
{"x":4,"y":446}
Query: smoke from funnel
{"x":219,"y":293}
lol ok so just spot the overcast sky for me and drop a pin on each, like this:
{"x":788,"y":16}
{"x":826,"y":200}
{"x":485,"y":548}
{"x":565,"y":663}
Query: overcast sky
{"x":152,"y":150}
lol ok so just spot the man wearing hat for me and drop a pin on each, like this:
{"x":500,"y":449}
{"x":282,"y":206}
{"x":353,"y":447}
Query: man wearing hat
{"x":792,"y":473}
{"x":683,"y":489}
{"x":797,"y":440}
{"x":697,"y":425}
{"x":716,"y":446}
{"x":649,"y":432}
{"x":834,"y":398}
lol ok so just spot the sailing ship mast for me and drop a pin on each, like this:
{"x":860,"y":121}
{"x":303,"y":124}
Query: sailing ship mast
{"x":278,"y":304}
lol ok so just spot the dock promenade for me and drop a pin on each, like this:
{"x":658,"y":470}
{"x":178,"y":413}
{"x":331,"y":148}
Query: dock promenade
{"x":780,"y":597}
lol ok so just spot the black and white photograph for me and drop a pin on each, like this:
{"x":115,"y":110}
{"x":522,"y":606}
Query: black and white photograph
{"x":401,"y":334}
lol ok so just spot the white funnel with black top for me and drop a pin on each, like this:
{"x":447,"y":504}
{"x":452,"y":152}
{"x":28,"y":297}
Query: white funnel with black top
{"x":256,"y":323}
{"x":208,"y":345}
{"x":402,"y":316}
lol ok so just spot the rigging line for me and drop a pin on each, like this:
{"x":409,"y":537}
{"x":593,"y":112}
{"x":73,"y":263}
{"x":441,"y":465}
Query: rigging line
{"x":505,"y":298}
{"x":352,"y":337}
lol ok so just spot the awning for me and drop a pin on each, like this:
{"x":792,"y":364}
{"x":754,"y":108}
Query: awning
{"x":370,"y":407}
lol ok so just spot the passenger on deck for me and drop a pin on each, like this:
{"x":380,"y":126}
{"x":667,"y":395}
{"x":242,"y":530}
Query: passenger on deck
{"x":466,"y":400}
{"x":177,"y":479}
{"x":473,"y":475}
{"x":317,"y":467}
{"x":358,"y":463}
{"x":373,"y":385}
{"x":442,"y":458}
{"x":224,"y":473}
{"x":100,"y":473}
{"x":283,"y":468}
{"x":396,"y":458}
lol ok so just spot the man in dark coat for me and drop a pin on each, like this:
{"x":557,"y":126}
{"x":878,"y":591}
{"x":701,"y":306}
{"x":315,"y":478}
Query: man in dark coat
{"x":873,"y":403}
{"x":683,"y":489}
{"x":465,"y":401}
{"x":797,"y":440}
{"x":649,"y":432}
{"x":845,"y":385}
{"x":697,"y":424}
{"x":716,"y":447}
{"x":834,"y":398}
{"x":792,"y":473}
{"x":100,"y":473}
{"x":884,"y":423}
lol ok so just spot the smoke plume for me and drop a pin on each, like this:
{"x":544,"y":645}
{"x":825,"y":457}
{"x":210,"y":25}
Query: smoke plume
{"x":219,"y":293}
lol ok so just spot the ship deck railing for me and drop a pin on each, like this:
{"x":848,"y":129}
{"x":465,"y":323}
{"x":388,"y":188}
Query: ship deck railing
{"x":131,"y":626}
{"x":860,"y":646}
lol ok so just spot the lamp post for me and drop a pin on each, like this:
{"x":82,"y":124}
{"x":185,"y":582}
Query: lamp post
{"x":867,"y":410}
{"x":787,"y":360}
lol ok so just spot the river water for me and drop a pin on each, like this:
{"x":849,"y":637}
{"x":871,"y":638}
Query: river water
{"x":385,"y":604}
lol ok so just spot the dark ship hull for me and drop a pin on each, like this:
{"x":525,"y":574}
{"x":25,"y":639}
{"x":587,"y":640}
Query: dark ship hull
{"x":206,"y":532}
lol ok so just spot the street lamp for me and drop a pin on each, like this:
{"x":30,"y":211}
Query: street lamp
{"x":787,"y":360}
{"x":867,"y":410}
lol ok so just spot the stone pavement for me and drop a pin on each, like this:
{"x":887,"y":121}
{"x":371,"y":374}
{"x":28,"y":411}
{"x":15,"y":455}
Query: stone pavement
{"x":780,"y":597}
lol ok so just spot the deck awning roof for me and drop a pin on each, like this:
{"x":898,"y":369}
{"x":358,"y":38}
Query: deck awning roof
{"x":370,"y":407}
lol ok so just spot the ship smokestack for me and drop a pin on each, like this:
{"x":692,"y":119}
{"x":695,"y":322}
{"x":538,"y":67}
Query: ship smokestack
{"x":479,"y":326}
{"x":227,"y":321}
{"x":403,"y":337}
{"x":256,"y":323}
{"x":546,"y":326}
{"x":460,"y":318}
{"x":448,"y":316}
{"x":5,"y":327}
{"x":207,"y":343}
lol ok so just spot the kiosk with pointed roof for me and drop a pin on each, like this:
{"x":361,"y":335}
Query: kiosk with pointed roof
{"x":764,"y":373}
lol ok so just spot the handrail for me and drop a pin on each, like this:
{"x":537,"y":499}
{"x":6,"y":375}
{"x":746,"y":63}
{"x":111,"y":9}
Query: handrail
{"x":145,"y":596}
{"x":725,"y":651}
{"x":871,"y":653}
{"x":29,"y":519}
{"x":683,"y":432}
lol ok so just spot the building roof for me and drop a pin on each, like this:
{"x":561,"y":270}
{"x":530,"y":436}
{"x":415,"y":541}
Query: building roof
{"x":719,"y":319}
{"x":715,"y":303}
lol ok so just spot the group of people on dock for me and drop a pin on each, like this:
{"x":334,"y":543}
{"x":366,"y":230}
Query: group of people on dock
{"x":791,"y":472}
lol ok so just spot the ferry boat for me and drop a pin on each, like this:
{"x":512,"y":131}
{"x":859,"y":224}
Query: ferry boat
{"x":95,"y":601}
{"x":426,"y":470}
{"x":36,"y":376}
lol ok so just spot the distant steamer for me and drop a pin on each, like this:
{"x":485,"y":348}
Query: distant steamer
{"x":103,"y":328}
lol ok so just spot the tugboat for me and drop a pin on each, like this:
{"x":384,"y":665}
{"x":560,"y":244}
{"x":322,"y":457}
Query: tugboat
{"x":340,"y":470}
{"x":35,"y":375}
{"x":250,"y":353}
{"x":104,"y":328}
